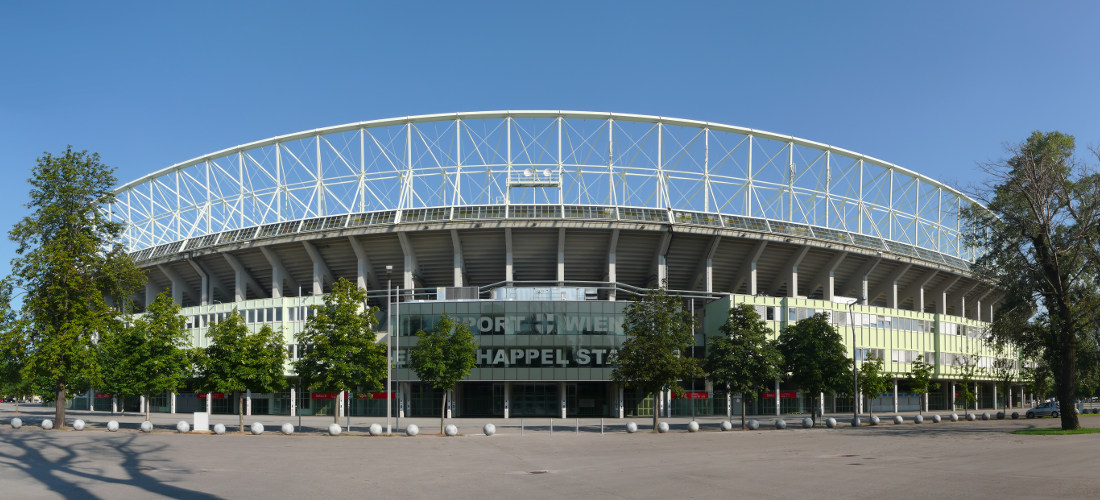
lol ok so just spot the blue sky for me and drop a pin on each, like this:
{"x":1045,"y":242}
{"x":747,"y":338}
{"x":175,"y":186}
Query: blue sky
{"x":933,"y":86}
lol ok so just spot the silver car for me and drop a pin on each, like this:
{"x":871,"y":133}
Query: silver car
{"x":1048,"y":409}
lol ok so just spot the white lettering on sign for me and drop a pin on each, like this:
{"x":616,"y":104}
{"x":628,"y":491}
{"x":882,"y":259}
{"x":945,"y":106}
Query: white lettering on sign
{"x":563,"y":357}
{"x":541,"y":324}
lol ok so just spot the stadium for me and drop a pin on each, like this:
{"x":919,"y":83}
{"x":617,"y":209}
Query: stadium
{"x":537,"y":228}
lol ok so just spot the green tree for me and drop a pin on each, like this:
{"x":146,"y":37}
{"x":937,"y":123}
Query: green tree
{"x":1004,"y":375}
{"x":873,"y":380}
{"x":652,"y":358}
{"x":920,"y":380}
{"x":813,"y":355}
{"x":443,"y":357}
{"x":743,"y":359}
{"x":968,"y":372}
{"x":1037,"y":380}
{"x":68,"y":258}
{"x":237,"y":360}
{"x":341,"y":352}
{"x":1038,"y":236}
{"x":12,"y":349}
{"x":150,"y":356}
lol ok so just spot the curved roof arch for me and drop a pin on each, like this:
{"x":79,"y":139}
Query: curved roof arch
{"x":562,"y":158}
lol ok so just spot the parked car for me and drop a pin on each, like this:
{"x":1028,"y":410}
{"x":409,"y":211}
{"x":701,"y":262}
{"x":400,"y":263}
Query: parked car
{"x":1048,"y":409}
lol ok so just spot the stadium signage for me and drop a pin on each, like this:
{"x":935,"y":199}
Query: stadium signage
{"x":529,"y":357}
{"x":541,"y":323}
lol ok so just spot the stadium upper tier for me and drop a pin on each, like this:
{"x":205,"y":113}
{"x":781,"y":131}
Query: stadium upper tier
{"x":596,"y":199}
{"x":408,"y":169}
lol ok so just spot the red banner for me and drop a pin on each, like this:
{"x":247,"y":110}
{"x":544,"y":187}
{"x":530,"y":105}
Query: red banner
{"x":213,"y":395}
{"x":101,"y":395}
{"x":692,"y":395}
{"x":323,"y":395}
{"x":782,"y":395}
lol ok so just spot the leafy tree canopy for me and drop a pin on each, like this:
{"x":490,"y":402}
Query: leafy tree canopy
{"x":654,"y":357}
{"x":69,"y":259}
{"x":150,"y":356}
{"x":444,"y":356}
{"x":920,"y":378}
{"x":340,"y":351}
{"x":1038,"y":236}
{"x":237,"y":360}
{"x":873,"y":379}
{"x":813,"y":355}
{"x":744,"y":358}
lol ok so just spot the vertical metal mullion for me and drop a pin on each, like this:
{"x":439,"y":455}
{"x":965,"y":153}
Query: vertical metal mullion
{"x":748,"y":183}
{"x":320,"y":181}
{"x":280,"y":187}
{"x":209,"y":209}
{"x":828,"y":186}
{"x":458,"y":161}
{"x":706,"y":170}
{"x":790,"y":181}
{"x":561,"y":194}
{"x":890,"y":217}
{"x":859,"y":201}
{"x":611,"y":162}
{"x":508,"y":162}
{"x":362,"y":170}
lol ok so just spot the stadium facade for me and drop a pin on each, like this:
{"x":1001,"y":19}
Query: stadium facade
{"x":536,"y":228}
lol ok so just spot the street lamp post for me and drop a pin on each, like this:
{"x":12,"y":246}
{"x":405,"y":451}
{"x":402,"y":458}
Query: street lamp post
{"x":855,"y":365}
{"x":389,"y":350}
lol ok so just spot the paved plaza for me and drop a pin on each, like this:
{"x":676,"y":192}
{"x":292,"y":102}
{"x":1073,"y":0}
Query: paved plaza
{"x":968,"y":459}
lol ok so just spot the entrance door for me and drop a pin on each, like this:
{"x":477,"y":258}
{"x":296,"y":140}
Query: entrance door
{"x":535,"y":400}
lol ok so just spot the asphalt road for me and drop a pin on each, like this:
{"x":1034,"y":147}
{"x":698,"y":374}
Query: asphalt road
{"x":964,"y":459}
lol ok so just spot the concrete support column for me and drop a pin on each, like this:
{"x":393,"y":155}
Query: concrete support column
{"x":248,"y":402}
{"x":114,"y":404}
{"x":172,"y":401}
{"x":612,"y":246}
{"x":508,"y":256}
{"x":561,"y":396}
{"x":561,"y":258}
{"x":777,"y":398}
{"x":924,"y":401}
{"x":820,"y":404}
{"x":622,"y":410}
{"x":952,"y":395}
{"x":995,"y":405}
{"x":141,"y":404}
{"x":340,"y":404}
{"x":895,"y":395}
{"x":150,"y":293}
{"x":293,"y":402}
{"x":450,"y":404}
{"x":507,"y":399}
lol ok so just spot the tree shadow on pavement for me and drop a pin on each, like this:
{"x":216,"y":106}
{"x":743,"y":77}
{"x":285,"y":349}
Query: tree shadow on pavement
{"x":68,"y":469}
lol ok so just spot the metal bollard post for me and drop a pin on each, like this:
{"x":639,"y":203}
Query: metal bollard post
{"x":551,"y":426}
{"x":601,"y":426}
{"x":520,"y":426}
{"x":578,"y":427}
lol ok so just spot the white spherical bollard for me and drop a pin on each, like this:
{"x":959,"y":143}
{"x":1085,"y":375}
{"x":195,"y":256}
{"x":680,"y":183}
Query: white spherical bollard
{"x":287,"y":429}
{"x":693,"y":426}
{"x":970,"y":417}
{"x":954,"y":417}
{"x":183,"y":427}
{"x":780,"y":424}
{"x":935,"y":419}
{"x":985,"y":415}
{"x":451,"y":430}
{"x":112,"y":426}
{"x":412,"y":430}
{"x":78,"y":425}
{"x":375,"y":430}
{"x":754,"y":424}
{"x":631,"y":427}
{"x":919,"y":419}
{"x":334,"y":429}
{"x":256,"y":428}
{"x":855,"y":422}
{"x":219,"y":429}
{"x":830,"y":422}
{"x":1015,"y":415}
{"x":874,"y":420}
{"x":898,"y":419}
{"x":489,"y":429}
{"x":1000,"y":415}
{"x":727,"y":425}
{"x":16,"y":423}
{"x":146,"y":426}
{"x":807,"y":423}
{"x":662,"y":427}
{"x":47,"y":424}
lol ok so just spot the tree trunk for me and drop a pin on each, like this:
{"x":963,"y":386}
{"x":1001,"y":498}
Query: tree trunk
{"x":1067,"y":387}
{"x":336,"y":408}
{"x":742,"y":412}
{"x":443,"y":413}
{"x":240,"y":411}
{"x":59,"y":408}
